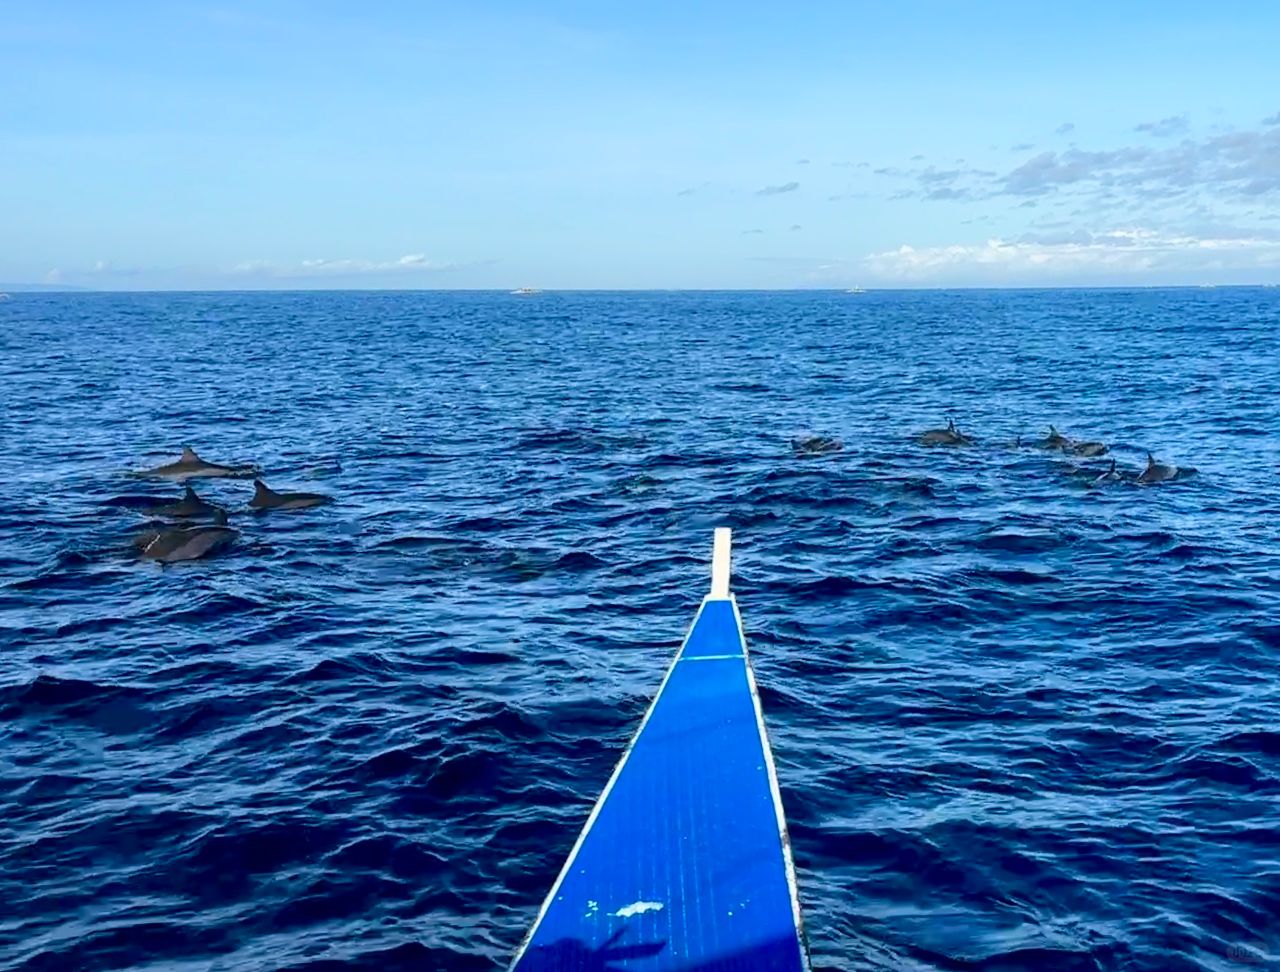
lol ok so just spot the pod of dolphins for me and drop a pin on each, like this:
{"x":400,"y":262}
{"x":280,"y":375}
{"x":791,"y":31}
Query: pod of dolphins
{"x":1053,"y":441}
{"x":172,"y":542}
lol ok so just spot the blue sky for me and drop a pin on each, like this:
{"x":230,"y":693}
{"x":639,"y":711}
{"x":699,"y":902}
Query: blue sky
{"x":609,"y":145}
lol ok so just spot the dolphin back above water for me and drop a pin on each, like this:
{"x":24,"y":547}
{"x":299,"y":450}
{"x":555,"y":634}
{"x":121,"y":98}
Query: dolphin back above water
{"x":190,"y":506}
{"x":191,"y":466}
{"x":1157,"y":472}
{"x":185,"y":543}
{"x":1055,"y":440}
{"x":815,"y":445}
{"x":1089,"y":450}
{"x":948,"y":436}
{"x":266,"y":498}
{"x":1112,"y":475}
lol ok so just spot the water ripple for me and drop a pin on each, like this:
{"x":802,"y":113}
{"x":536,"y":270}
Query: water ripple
{"x":1021,"y":722}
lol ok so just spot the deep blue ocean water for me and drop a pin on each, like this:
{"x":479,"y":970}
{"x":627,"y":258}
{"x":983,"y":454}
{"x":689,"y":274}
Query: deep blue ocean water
{"x":1020,"y":723}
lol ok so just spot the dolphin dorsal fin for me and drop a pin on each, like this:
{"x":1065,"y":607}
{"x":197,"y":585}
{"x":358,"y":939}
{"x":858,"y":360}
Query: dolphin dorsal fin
{"x":951,"y":424}
{"x":1052,"y":430}
{"x":219,"y":517}
{"x":189,"y":455}
{"x":262,"y":489}
{"x":189,"y":493}
{"x":1113,"y":466}
{"x":1151,"y":460}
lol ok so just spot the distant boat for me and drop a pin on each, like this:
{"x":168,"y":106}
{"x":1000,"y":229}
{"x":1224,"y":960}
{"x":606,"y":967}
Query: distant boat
{"x":855,"y":290}
{"x":526,"y":291}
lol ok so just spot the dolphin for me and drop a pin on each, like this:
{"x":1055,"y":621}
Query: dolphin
{"x":1089,"y":450}
{"x":191,"y":466}
{"x":185,"y":543}
{"x":1055,"y":440}
{"x":815,"y":445}
{"x":1157,"y":472}
{"x":1110,"y":476}
{"x":266,"y":498}
{"x":948,"y":436}
{"x":131,"y":501}
{"x":190,"y":507}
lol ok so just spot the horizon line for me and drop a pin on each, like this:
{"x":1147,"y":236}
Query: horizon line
{"x":67,"y":290}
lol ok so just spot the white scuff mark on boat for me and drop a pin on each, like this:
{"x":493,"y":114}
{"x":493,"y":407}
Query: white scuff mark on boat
{"x":638,"y":908}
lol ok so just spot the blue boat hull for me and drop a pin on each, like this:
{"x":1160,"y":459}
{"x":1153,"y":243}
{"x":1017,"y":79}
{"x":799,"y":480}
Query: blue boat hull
{"x":683,"y":865}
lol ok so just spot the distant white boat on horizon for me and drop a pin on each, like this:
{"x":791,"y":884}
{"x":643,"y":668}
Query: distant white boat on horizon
{"x":855,"y":290}
{"x":526,"y":291}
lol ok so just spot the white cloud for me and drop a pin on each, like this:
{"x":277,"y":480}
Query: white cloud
{"x":1114,"y":254}
{"x":409,"y":270}
{"x":325,"y":267}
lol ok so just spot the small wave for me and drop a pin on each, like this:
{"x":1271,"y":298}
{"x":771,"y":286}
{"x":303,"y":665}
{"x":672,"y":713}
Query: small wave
{"x":830,"y":587}
{"x":567,"y":440}
{"x":358,"y":667}
{"x":392,"y":764}
{"x":429,"y":542}
{"x":187,"y":720}
{"x":576,"y":441}
{"x":1014,"y":577}
{"x":486,"y":524}
{"x":389,"y":853}
{"x":1258,"y":742}
{"x":921,"y":487}
{"x":1202,"y":769}
{"x":742,"y":386}
{"x":53,"y":786}
{"x":1020,"y":542}
{"x":115,"y":709}
{"x":637,"y":515}
{"x":217,"y":607}
{"x":471,"y":774}
{"x":502,"y":723}
{"x":242,"y":848}
{"x":411,"y":956}
{"x":578,"y":560}
{"x":683,"y":461}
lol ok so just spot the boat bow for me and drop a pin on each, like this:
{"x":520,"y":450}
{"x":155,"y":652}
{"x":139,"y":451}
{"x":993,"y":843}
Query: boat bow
{"x":684,"y":863}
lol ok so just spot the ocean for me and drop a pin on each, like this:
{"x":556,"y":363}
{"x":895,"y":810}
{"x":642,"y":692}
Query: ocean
{"x":1020,"y":721}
